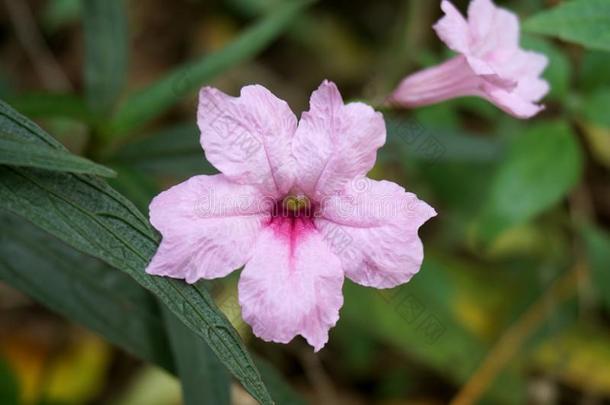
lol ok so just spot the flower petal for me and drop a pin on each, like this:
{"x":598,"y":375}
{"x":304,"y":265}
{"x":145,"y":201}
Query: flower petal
{"x":209,"y":226}
{"x":248,"y":138}
{"x":292,"y":285}
{"x":533,"y":88}
{"x":373,"y":229}
{"x":528,"y":66}
{"x":453,"y":29}
{"x":480,"y":67}
{"x":512,"y":102}
{"x":450,"y":79}
{"x":335,"y":142}
{"x":492,"y":27}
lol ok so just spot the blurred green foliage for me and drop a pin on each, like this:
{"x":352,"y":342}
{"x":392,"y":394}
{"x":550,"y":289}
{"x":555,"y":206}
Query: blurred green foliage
{"x":9,"y":388}
{"x":514,"y":293}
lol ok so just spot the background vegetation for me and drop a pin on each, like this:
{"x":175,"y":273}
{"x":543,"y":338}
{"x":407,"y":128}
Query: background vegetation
{"x":511,"y":306}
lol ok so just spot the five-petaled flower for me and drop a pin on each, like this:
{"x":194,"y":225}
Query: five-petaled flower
{"x":489,"y":64}
{"x":286,"y":192}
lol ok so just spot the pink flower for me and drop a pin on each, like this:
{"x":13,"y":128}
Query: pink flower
{"x":489,"y":64}
{"x":293,"y":207}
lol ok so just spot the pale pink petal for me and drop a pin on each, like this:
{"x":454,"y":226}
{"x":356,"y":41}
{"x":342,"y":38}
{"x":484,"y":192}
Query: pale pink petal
{"x":208,"y":226}
{"x":527,"y":66}
{"x":453,"y":29}
{"x":512,"y":102}
{"x":535,"y":63}
{"x":523,"y":64}
{"x":292,"y":285}
{"x":489,"y":72}
{"x":532,"y":88}
{"x":451,"y":79}
{"x":491,"y":27}
{"x":373,"y":229}
{"x":248,"y":138}
{"x":479,"y":66}
{"x":335,"y":142}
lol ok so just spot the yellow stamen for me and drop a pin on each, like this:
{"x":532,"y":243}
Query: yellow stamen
{"x":296,"y":203}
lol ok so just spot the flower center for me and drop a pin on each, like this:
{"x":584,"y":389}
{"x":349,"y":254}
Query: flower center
{"x":294,"y":206}
{"x":293,"y":218}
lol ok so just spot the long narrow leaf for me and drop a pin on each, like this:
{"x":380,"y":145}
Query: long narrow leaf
{"x":158,"y":97}
{"x":86,"y":213}
{"x":17,"y":153}
{"x":106,"y":51}
{"x":52,"y":105}
{"x":88,"y":291}
{"x":83,"y":289}
{"x":204,"y":379}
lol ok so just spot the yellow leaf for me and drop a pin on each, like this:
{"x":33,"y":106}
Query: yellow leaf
{"x":580,"y":357}
{"x":78,"y":374}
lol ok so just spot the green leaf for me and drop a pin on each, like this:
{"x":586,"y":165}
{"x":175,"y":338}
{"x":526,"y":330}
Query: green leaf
{"x":173,"y":152}
{"x":15,"y":152}
{"x":59,"y":13}
{"x":204,"y":379}
{"x":52,"y":105}
{"x":585,"y":22}
{"x":151,"y":101}
{"x":593,"y":71}
{"x":136,"y":186}
{"x":106,"y":51}
{"x":103,"y":299}
{"x":542,"y":165}
{"x":9,"y":388}
{"x":89,"y":215}
{"x":594,"y":114}
{"x":596,"y":107}
{"x":597,"y":245}
{"x":83,"y":289}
